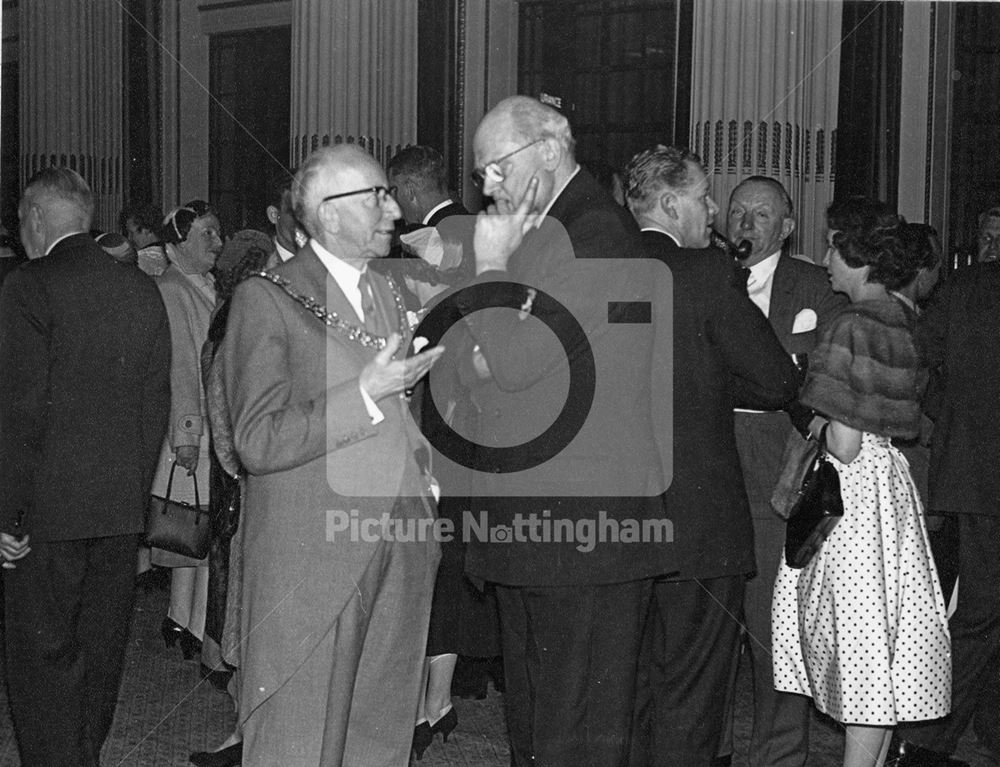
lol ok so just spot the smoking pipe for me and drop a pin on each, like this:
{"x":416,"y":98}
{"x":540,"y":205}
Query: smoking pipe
{"x":741,"y":251}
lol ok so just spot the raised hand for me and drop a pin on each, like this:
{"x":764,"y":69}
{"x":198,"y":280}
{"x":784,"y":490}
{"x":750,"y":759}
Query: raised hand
{"x":501,"y":227}
{"x":384,"y":375}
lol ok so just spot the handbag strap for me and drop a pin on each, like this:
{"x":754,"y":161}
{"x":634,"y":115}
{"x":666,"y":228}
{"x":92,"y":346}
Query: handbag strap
{"x":821,"y":454}
{"x":170,"y":482}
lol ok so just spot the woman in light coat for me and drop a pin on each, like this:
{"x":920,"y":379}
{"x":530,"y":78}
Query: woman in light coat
{"x":193,"y":243}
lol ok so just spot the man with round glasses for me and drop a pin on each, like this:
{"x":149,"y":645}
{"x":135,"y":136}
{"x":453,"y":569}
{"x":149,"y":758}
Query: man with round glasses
{"x":335,"y":622}
{"x":570,"y":618}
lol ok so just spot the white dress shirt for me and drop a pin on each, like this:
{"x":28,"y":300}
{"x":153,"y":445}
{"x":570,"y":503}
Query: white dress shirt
{"x":761,"y":281}
{"x":283,"y":253}
{"x":435,"y":209}
{"x":346,"y":277}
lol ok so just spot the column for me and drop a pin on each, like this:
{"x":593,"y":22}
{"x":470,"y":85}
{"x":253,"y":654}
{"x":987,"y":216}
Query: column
{"x":70,"y":59}
{"x":354,"y":75}
{"x":764,"y":102}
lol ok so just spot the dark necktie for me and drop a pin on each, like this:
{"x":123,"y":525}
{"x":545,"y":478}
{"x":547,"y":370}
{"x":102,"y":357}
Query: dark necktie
{"x":373,"y":319}
{"x":741,"y":277}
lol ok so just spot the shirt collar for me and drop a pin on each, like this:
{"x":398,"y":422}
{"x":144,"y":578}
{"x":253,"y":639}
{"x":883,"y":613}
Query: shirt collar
{"x":341,"y":271}
{"x":905,"y":300}
{"x":661,"y":231}
{"x":559,"y":192}
{"x":283,"y":253}
{"x":56,"y":242}
{"x":435,"y":209}
{"x":763,"y":270}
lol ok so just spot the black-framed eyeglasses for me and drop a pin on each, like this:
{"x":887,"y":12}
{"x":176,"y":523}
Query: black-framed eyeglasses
{"x":380,"y":193}
{"x":492,"y":170}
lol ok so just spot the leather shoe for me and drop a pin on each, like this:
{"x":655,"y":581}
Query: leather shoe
{"x":722,"y":761}
{"x":907,"y":754}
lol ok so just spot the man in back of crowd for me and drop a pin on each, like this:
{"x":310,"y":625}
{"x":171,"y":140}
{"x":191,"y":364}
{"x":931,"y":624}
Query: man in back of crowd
{"x":797,"y":300}
{"x":141,"y":224}
{"x":289,"y":235}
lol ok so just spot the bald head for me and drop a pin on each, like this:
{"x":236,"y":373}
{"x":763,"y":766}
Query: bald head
{"x":56,"y":202}
{"x":321,"y":169}
{"x":358,"y":223}
{"x":521,"y":138}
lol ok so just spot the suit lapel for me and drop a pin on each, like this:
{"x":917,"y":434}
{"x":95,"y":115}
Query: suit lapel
{"x":309,"y":277}
{"x":782,"y":305}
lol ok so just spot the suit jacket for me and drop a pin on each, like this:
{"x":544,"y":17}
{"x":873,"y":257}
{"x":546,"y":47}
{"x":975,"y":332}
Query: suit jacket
{"x":958,"y":338}
{"x":457,"y":227}
{"x":724,"y":353}
{"x":84,"y":393}
{"x":309,"y":447}
{"x":761,"y":438}
{"x":610,"y":465}
{"x":799,"y":285}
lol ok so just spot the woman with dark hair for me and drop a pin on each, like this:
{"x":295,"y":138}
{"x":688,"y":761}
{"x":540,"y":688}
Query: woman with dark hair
{"x":193,"y":242}
{"x":862,"y":627}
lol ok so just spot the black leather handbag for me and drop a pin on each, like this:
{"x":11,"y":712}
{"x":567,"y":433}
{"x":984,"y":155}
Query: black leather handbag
{"x":176,"y":526}
{"x":816,"y":511}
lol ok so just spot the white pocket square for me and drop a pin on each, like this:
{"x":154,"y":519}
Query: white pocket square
{"x":805,"y":321}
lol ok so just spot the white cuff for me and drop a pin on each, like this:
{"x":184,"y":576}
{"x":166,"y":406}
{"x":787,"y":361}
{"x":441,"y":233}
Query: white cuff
{"x":376,"y":415}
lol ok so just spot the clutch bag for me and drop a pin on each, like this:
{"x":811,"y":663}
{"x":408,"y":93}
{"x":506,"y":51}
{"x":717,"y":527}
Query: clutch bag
{"x":176,"y":526}
{"x":816,"y":511}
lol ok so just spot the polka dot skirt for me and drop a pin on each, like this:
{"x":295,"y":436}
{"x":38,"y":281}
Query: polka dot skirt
{"x":862,"y":628}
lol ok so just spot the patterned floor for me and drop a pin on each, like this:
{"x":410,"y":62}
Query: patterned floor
{"x":165,"y":711}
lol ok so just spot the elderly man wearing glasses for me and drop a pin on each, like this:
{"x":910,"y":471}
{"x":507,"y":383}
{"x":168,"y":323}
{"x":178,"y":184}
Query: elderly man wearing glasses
{"x":335,"y":611}
{"x":571,"y":611}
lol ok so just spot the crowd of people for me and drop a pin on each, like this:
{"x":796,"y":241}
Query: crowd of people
{"x":407,"y":422}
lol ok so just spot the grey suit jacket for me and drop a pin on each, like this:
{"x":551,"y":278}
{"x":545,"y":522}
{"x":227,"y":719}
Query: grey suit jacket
{"x":309,"y":446}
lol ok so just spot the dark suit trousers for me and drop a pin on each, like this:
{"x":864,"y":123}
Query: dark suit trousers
{"x":68,"y":610}
{"x":975,"y":634}
{"x":780,"y":736}
{"x":690,"y":648}
{"x":570,"y":656}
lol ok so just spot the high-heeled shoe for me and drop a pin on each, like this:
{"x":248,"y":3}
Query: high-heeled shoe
{"x":445,"y":724}
{"x":422,"y":738}
{"x":171,"y":631}
{"x":190,"y":645}
{"x":231,"y":756}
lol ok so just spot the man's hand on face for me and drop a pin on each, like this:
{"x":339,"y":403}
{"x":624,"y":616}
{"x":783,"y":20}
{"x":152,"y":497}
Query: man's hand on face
{"x":384,"y":375}
{"x":501,"y":227}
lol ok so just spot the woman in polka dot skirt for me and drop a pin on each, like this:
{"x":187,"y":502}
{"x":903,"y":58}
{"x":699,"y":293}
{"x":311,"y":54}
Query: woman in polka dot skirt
{"x":862,"y":628}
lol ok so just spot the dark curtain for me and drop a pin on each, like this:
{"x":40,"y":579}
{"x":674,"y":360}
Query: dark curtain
{"x":867,"y":158}
{"x":141,"y":112}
